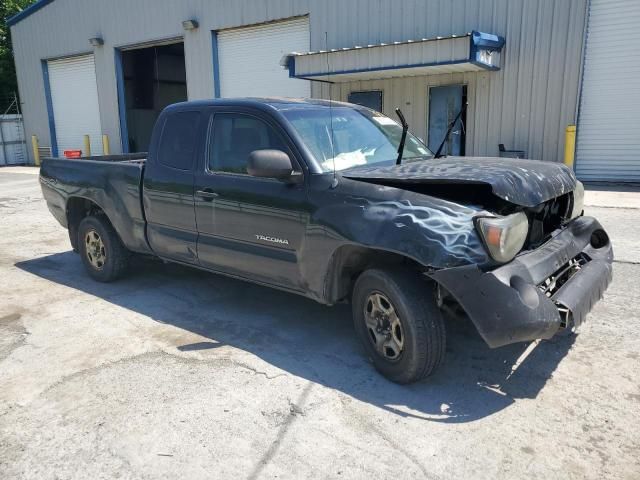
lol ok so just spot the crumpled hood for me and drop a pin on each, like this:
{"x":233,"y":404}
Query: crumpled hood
{"x":523,"y":182}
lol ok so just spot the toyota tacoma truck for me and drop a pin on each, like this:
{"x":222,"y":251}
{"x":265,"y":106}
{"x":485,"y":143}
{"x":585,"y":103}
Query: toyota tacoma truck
{"x":340,"y":203}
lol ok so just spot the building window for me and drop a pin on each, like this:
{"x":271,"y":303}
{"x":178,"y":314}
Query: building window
{"x":371,"y":99}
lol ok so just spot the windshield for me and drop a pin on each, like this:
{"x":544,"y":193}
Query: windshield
{"x":360,"y":137}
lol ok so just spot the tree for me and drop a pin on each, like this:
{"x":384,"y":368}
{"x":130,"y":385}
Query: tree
{"x":8,"y":81}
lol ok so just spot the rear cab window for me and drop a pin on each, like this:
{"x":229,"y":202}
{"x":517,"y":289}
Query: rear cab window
{"x":178,"y":142}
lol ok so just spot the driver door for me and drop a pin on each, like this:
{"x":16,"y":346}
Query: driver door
{"x":248,"y":226}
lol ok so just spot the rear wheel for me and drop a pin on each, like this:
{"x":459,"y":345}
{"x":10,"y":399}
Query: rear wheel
{"x":396,"y":316}
{"x":103,"y":254}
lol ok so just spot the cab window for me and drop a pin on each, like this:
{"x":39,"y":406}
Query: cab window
{"x":178,"y":141}
{"x":234,"y":136}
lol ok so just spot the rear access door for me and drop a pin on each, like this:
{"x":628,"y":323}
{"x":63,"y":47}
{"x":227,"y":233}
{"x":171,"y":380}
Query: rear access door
{"x":248,"y":226}
{"x":168,"y":184}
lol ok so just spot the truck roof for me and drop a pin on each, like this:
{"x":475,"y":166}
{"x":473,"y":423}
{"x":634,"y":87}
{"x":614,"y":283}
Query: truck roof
{"x":276,"y":103}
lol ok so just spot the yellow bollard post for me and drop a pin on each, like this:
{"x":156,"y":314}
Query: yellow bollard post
{"x":569,"y":145}
{"x":87,"y":146}
{"x":36,"y":150}
{"x":105,"y":145}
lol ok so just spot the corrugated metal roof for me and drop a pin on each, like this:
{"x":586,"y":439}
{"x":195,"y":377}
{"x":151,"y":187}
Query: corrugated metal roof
{"x":470,"y":52}
{"x":31,"y":9}
{"x":358,"y":47}
{"x":525,"y":105}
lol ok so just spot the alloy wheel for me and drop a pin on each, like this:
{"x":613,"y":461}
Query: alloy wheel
{"x":384,"y":326}
{"x":95,"y":249}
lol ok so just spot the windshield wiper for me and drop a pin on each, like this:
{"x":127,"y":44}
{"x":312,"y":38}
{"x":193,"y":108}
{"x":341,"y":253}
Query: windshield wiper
{"x":405,"y":128}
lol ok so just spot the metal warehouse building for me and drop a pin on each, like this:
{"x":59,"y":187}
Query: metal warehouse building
{"x":527,"y":68}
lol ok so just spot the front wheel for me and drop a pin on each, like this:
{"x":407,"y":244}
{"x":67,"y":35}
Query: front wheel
{"x":396,"y":316}
{"x":103,"y":254}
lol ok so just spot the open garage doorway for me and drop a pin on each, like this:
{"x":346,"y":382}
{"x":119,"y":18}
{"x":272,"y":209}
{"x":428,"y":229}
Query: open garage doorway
{"x":152,"y":77}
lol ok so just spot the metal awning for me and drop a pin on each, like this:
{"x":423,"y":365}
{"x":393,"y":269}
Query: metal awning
{"x":472,"y":52}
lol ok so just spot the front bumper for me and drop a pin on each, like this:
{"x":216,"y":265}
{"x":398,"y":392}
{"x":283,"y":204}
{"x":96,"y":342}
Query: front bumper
{"x":509,"y":304}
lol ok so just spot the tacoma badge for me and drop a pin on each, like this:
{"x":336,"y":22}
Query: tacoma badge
{"x":273,"y":239}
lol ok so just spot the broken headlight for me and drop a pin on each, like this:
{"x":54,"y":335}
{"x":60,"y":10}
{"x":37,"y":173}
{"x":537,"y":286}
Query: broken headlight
{"x":503,"y":236}
{"x":578,"y":200}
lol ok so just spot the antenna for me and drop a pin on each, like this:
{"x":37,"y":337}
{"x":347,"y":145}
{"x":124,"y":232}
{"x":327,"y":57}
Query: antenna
{"x":334,"y":184}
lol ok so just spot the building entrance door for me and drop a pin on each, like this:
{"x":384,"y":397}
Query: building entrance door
{"x":445,"y":104}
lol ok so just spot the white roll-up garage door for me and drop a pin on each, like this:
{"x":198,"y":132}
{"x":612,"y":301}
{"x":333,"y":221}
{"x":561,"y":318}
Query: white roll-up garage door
{"x":74,"y":97}
{"x":608,"y":143}
{"x":249,"y":60}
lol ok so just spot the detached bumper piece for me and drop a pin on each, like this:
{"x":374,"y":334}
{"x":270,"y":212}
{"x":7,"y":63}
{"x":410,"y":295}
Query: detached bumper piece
{"x":539,"y":292}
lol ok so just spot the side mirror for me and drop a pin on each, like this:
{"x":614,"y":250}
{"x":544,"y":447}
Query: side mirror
{"x":270,"y":164}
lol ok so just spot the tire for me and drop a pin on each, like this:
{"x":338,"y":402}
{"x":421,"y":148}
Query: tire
{"x":418,"y":348}
{"x":104,"y":256}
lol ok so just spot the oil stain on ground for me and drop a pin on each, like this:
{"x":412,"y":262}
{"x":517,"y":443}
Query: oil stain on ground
{"x":12,"y":333}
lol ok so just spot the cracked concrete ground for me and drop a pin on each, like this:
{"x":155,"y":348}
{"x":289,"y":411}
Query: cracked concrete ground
{"x":176,"y":373}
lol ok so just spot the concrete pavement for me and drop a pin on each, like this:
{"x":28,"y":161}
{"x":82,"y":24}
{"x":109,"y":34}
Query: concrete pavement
{"x":173,"y":372}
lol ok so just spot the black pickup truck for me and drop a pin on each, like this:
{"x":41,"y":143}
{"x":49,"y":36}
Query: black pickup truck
{"x":339,"y":203}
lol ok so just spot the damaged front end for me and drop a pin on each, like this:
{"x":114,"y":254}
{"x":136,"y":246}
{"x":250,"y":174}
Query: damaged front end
{"x":540,"y":292}
{"x":545,"y":265}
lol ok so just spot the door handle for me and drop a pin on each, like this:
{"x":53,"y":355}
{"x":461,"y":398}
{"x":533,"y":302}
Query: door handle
{"x":207,"y":194}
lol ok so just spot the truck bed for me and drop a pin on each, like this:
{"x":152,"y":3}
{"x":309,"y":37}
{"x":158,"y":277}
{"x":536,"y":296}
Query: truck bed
{"x":113,"y":183}
{"x":124,"y":157}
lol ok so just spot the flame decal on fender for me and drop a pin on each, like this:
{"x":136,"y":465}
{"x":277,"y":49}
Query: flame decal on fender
{"x":449,"y":232}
